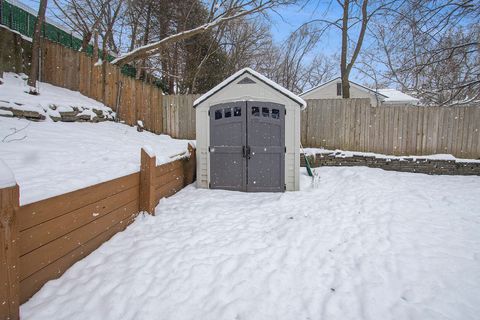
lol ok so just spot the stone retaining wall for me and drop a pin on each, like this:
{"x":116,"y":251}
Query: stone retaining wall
{"x":407,"y":164}
{"x":77,"y":114}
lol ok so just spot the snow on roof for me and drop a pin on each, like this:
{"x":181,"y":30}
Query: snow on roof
{"x":257,"y":75}
{"x":397,"y":96}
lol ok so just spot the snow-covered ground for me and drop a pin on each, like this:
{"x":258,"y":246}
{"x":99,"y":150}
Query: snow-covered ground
{"x":50,"y":102}
{"x":51,"y":158}
{"x":366,"y":244}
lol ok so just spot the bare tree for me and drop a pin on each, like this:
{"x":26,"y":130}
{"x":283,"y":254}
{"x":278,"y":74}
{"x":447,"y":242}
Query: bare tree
{"x":32,"y":79}
{"x":221,"y":11}
{"x":83,"y":15}
{"x":431,"y":49}
{"x":353,"y":27}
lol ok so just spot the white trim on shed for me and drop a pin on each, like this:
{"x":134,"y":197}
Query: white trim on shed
{"x":260,"y":89}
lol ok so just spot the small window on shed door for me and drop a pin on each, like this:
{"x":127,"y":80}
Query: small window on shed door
{"x":339,"y":89}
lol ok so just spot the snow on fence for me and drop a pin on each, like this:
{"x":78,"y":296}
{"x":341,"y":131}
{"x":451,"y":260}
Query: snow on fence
{"x":354,"y":125}
{"x":41,"y":240}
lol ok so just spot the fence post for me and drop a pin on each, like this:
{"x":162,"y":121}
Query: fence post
{"x":147,"y":181}
{"x":9,"y":267}
{"x":189,"y":167}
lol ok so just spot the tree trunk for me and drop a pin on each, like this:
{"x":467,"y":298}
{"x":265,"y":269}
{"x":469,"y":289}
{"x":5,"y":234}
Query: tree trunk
{"x":141,"y":74}
{"x":32,"y":79}
{"x":95,"y":46}
{"x":343,"y":59}
{"x":85,"y":41}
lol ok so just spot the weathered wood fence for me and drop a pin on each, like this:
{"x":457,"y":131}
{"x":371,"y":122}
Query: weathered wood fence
{"x":41,"y":240}
{"x":399,"y":130}
{"x":132,"y":99}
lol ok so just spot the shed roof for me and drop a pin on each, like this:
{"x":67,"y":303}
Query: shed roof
{"x":256,"y":75}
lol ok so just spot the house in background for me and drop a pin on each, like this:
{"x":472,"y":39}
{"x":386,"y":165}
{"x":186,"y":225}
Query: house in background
{"x":333,"y":90}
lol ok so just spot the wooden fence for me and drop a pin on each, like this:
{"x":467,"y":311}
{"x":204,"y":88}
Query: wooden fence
{"x":179,"y":120}
{"x":132,"y":99}
{"x":399,"y":130}
{"x":41,"y":240}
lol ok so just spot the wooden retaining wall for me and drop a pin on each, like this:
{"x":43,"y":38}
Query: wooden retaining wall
{"x":41,"y":240}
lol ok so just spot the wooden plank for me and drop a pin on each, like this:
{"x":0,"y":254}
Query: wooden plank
{"x":50,"y":230}
{"x":395,"y":131}
{"x":419,"y":131}
{"x":147,"y":183}
{"x":29,"y":286}
{"x":9,"y":293}
{"x":476,"y":137}
{"x":169,"y":189}
{"x":303,"y":124}
{"x":44,"y":210}
{"x":45,"y":255}
{"x":167,"y":167}
{"x":465,"y":131}
{"x":168,"y":177}
{"x":405,"y":123}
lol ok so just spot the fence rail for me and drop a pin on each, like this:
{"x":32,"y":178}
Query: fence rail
{"x":41,"y":240}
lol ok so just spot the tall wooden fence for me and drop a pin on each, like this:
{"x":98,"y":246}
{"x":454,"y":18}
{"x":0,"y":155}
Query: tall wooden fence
{"x":41,"y":240}
{"x":132,"y":99}
{"x":179,"y":120}
{"x":400,"y":130}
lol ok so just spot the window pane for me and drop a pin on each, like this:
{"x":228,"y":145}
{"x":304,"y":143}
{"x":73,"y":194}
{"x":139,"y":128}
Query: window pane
{"x":228,"y":112}
{"x":265,"y":112}
{"x":237,"y":112}
{"x":218,"y":114}
{"x":275,"y":113}
{"x":256,"y":111}
{"x":339,"y":89}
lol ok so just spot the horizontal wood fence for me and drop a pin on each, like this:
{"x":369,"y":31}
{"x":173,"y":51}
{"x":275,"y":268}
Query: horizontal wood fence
{"x":41,"y":240}
{"x":352,"y":124}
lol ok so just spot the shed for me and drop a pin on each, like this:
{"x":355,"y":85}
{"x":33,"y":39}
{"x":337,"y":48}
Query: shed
{"x":248,"y":135}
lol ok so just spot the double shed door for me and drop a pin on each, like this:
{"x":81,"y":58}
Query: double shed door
{"x":247,"y":146}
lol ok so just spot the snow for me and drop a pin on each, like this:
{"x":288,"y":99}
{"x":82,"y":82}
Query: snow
{"x":52,"y":158}
{"x":50,"y":101}
{"x":365,"y":244}
{"x":16,"y":32}
{"x":6,"y":113}
{"x":348,"y":154}
{"x":397,"y":96}
{"x":237,"y":74}
{"x":149,"y":150}
{"x":7,"y":179}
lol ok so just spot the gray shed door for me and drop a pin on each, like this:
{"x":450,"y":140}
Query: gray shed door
{"x":247,"y":146}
